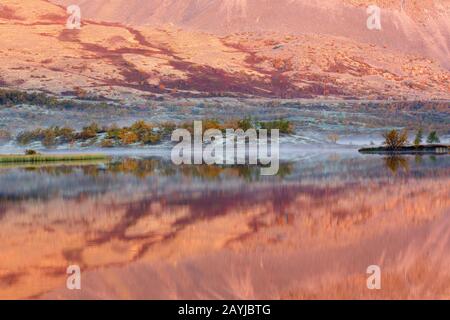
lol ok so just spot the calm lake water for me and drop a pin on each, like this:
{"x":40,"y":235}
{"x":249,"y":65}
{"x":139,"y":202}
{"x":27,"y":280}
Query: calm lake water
{"x":143,"y":228}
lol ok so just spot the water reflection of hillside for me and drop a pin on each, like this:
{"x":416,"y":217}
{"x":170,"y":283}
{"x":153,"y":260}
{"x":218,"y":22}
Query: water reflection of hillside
{"x":132,"y":211}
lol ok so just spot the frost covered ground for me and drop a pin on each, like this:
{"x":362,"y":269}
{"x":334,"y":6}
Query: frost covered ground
{"x":316,"y":125}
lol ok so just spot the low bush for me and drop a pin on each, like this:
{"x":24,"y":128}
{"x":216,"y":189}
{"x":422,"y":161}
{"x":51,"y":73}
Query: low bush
{"x":49,"y":137}
{"x":30,"y":152}
{"x":150,"y":138}
{"x":128,"y":137}
{"x":285,"y":126}
{"x":66,"y":134}
{"x":212,"y":124}
{"x":5,"y":135}
{"x":26,"y":137}
{"x":107,"y":143}
{"x":89,"y":132}
{"x":168,"y":127}
{"x":245,"y":124}
{"x":15,"y":97}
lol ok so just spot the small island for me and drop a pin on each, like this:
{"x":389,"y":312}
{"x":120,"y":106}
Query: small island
{"x":396,"y":142}
{"x":421,"y":149}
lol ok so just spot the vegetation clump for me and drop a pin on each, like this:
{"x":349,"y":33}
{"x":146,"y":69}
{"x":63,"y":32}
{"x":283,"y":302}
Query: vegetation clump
{"x":107,"y":143}
{"x":433,"y":137}
{"x":395,"y":139}
{"x":66,"y":134}
{"x":140,"y":132}
{"x":89,"y":131}
{"x":27,"y":137}
{"x":30,"y":152}
{"x":285,"y":126}
{"x":245,"y":124}
{"x":14,"y":97}
{"x":48,"y":137}
{"x":419,"y":138}
{"x":4,"y":135}
{"x":10,"y":98}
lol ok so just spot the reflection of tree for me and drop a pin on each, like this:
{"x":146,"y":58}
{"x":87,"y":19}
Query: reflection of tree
{"x":285,"y":170}
{"x":394,"y":163}
{"x":418,"y":159}
{"x":143,"y":168}
{"x":149,"y":167}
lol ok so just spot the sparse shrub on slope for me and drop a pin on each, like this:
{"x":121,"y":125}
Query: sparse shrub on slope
{"x":66,"y":134}
{"x":26,"y":137}
{"x":246,"y":124}
{"x":4,"y":135}
{"x":168,"y":127}
{"x":208,"y":124}
{"x":13,"y":97}
{"x":285,"y":126}
{"x":107,"y":143}
{"x":49,"y":137}
{"x":90,"y":131}
{"x":30,"y":152}
{"x":128,"y":137}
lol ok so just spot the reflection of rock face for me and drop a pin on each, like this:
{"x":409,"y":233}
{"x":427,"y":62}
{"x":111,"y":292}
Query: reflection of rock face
{"x":412,"y":267}
{"x":290,"y":236}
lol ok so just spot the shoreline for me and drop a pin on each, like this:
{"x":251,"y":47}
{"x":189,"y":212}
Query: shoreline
{"x":41,"y":158}
{"x":434,"y":149}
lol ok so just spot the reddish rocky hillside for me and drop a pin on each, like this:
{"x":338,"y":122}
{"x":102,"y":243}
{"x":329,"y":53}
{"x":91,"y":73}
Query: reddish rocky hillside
{"x":37,"y":52}
{"x":408,"y":25}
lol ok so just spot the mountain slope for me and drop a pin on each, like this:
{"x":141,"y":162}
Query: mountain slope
{"x":126,"y":63}
{"x":421,"y":27}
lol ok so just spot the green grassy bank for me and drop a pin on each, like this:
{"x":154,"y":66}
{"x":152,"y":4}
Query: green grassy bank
{"x":39,"y":158}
